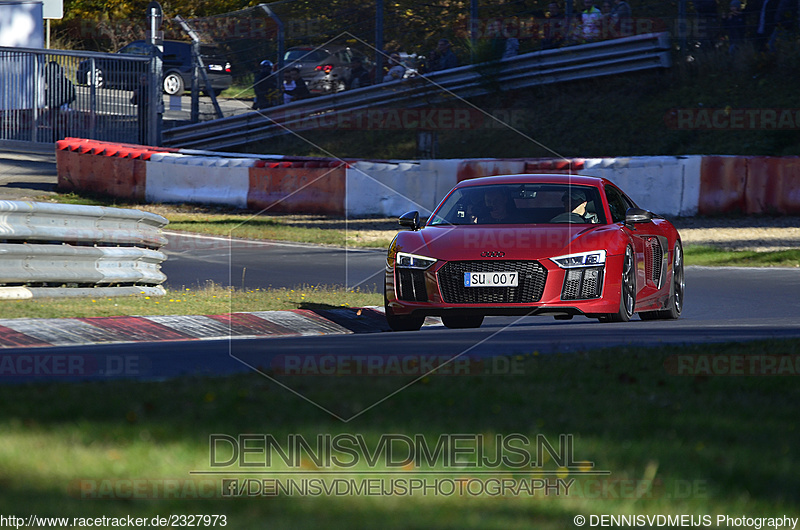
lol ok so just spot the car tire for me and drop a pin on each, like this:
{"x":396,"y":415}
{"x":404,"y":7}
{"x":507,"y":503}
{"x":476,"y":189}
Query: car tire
{"x":676,"y":290}
{"x":398,"y":323}
{"x":627,"y":291}
{"x":173,"y":84}
{"x":462,"y":322}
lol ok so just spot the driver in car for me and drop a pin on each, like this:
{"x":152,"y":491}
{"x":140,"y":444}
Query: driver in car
{"x":499,"y":207}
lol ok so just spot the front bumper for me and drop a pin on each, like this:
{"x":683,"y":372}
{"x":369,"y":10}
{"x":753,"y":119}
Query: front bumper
{"x":545,"y":288}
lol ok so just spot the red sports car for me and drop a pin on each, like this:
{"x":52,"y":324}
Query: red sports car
{"x":559,"y":245}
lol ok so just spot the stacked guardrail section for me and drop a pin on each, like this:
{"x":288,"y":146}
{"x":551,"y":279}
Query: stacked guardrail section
{"x":59,"y":250}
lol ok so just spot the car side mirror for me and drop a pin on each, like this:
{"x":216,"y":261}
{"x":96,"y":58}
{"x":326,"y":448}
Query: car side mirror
{"x":410,"y":220}
{"x":637,"y":215}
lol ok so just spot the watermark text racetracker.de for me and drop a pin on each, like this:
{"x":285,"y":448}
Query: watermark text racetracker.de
{"x":371,"y":365}
{"x":72,"y":365}
{"x":686,"y":520}
{"x":733,"y":119}
{"x":376,"y":118}
{"x":759,"y":365}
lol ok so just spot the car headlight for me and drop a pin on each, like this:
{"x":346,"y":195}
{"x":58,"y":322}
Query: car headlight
{"x":584,"y":259}
{"x":414,"y":261}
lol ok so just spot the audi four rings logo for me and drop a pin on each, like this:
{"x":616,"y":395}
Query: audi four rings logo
{"x":493,"y":254}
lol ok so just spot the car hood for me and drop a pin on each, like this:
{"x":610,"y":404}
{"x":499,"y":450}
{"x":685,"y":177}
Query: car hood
{"x":508,"y":242}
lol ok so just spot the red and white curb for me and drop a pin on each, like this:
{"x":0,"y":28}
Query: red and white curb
{"x":33,"y":332}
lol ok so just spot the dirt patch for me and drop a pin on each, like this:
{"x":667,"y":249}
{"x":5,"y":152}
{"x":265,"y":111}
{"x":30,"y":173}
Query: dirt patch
{"x":759,"y":234}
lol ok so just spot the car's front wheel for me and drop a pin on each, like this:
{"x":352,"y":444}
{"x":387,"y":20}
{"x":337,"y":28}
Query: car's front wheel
{"x":398,"y":323}
{"x":627,"y":295}
{"x":462,"y":322}
{"x":401,"y":323}
{"x":676,"y":289}
{"x":173,"y":84}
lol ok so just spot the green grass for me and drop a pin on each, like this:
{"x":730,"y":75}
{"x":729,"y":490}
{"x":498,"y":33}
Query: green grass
{"x":209,"y":300}
{"x":709,"y":256}
{"x":239,"y":91}
{"x":247,"y":226}
{"x":707,"y":445}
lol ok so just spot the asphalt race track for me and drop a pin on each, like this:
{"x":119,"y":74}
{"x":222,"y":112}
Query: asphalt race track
{"x":192,"y":261}
{"x":722,"y":304}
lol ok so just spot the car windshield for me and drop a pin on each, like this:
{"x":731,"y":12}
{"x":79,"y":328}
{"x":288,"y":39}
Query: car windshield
{"x":520,"y":204}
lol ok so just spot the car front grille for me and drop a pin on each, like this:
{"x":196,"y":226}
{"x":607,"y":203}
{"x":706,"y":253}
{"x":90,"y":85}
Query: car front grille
{"x":582,"y":284}
{"x":532,"y":277}
{"x":411,"y":285}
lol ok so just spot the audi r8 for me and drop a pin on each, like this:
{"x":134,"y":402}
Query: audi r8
{"x":559,"y":245}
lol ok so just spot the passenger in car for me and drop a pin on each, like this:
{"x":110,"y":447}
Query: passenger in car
{"x":577,"y":209}
{"x":500,"y":207}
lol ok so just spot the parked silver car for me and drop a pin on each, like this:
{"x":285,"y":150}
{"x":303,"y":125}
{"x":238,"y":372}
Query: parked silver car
{"x":325,"y":69}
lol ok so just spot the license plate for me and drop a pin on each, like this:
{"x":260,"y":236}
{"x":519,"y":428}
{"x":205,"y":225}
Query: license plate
{"x":491,"y":279}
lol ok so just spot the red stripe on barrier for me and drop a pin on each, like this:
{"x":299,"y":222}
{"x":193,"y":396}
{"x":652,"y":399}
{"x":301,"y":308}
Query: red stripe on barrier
{"x":247,"y":324}
{"x":10,"y":338}
{"x":297,"y":190}
{"x":135,"y":329}
{"x":72,"y":144}
{"x":63,"y":144}
{"x":111,"y":150}
{"x":722,"y":185}
{"x":773,"y":185}
{"x":554,"y":165}
{"x":134,"y":153}
{"x":116,"y":176}
{"x":471,"y":169}
{"x":68,"y":169}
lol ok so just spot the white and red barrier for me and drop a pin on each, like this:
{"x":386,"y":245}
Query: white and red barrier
{"x":675,"y":186}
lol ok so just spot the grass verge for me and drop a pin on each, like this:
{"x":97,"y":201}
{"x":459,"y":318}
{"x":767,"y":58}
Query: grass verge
{"x":209,"y":300}
{"x":692,"y":445}
{"x":709,"y":256}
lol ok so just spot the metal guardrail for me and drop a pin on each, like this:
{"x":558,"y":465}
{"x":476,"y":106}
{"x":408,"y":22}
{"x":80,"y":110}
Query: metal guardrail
{"x":624,"y":55}
{"x":57,"y":250}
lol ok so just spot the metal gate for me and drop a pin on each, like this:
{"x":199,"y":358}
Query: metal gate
{"x":47,"y":95}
